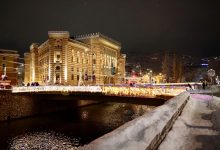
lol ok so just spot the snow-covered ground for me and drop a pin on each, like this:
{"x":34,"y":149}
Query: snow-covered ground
{"x":198,"y":127}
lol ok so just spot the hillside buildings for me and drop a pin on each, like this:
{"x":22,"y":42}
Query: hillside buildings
{"x":83,"y":60}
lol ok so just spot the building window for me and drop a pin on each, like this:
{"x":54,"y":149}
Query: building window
{"x":72,"y":69}
{"x":3,"y":65}
{"x":3,"y":58}
{"x":58,"y":57}
{"x":57,"y":68}
{"x":77,"y":77}
{"x":72,"y":59}
{"x":57,"y":77}
{"x":72,"y":77}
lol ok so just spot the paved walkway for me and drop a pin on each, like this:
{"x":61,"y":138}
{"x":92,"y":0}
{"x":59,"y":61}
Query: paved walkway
{"x":198,"y":127}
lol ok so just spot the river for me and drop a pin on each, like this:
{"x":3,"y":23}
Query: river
{"x":68,"y":129}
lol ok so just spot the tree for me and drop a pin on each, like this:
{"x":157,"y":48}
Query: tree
{"x":175,"y":68}
{"x":180,"y":70}
{"x":165,"y":66}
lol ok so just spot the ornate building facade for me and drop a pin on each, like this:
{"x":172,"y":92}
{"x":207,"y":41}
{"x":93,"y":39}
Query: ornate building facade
{"x":83,"y":60}
{"x":9,"y":66}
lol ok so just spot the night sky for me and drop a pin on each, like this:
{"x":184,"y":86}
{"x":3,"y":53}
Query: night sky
{"x":187,"y":26}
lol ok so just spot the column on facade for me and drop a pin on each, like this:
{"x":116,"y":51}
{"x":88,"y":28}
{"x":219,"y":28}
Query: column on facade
{"x":51,"y":62}
{"x":97,"y":65}
{"x":27,"y":67}
{"x":90,"y":65}
{"x":64,"y":63}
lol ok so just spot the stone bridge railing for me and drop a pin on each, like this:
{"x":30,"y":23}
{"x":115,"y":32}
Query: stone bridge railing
{"x":28,"y":89}
{"x":150,"y":91}
{"x":145,"y":132}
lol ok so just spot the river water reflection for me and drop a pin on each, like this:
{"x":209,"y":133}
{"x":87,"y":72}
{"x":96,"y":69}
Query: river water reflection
{"x":68,"y":129}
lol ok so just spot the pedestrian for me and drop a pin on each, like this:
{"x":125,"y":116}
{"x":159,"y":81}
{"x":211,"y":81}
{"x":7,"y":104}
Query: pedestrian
{"x":206,"y":84}
{"x":190,"y":87}
{"x":203,"y":85}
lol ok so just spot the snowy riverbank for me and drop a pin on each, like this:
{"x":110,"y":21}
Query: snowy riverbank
{"x":198,"y":127}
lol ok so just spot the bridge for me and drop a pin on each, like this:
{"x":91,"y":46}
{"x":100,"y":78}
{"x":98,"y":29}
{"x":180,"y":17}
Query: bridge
{"x":143,"y":91}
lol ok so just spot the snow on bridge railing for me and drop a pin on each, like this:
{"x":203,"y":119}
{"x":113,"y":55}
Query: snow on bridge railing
{"x":142,"y":91}
{"x":107,"y":90}
{"x":24,"y":89}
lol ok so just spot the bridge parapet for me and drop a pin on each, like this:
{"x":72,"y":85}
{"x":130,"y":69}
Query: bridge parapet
{"x":123,"y":91}
{"x":150,"y":91}
{"x":28,"y":89}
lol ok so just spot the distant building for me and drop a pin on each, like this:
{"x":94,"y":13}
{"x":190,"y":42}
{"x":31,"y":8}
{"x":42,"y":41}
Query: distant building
{"x":87,"y":59}
{"x":9,"y":66}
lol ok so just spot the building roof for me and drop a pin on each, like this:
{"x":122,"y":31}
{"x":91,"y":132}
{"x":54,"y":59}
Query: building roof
{"x":8,"y":51}
{"x":95,"y":35}
{"x":11,"y":53}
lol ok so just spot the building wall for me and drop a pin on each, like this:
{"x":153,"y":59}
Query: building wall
{"x":14,"y":106}
{"x":9,"y":59}
{"x":93,"y":59}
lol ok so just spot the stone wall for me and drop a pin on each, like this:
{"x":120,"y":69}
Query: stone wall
{"x":145,"y":132}
{"x":14,"y":106}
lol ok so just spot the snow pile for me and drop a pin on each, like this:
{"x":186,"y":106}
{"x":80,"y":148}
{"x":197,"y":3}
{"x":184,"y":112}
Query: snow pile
{"x":139,"y":133}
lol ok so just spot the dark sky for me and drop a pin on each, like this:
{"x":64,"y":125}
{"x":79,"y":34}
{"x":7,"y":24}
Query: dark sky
{"x":187,"y":26}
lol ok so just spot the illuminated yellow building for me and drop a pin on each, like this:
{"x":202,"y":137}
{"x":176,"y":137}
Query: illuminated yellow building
{"x":83,"y":60}
{"x":9,"y":65}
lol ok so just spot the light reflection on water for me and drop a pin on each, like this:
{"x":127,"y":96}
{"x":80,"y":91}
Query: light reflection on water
{"x":42,"y":141}
{"x":68,"y":129}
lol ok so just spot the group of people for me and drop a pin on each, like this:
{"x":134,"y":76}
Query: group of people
{"x":33,"y":84}
{"x":204,"y":85}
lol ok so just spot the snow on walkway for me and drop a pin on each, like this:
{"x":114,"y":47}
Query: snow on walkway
{"x":198,"y":127}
